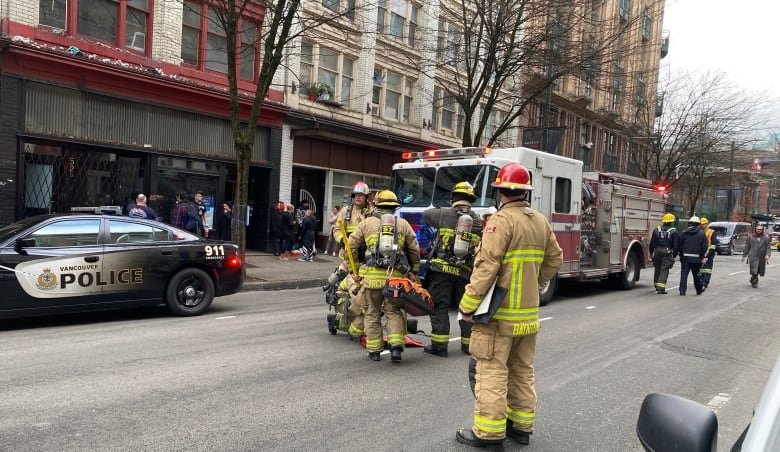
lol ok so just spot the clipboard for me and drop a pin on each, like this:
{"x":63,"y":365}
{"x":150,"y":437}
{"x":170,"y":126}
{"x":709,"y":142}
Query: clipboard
{"x":489,"y":305}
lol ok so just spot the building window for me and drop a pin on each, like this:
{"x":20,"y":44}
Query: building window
{"x":395,"y":92}
{"x":624,"y":9}
{"x":332,"y":68}
{"x":448,"y":42}
{"x":647,"y":26}
{"x":204,"y":41}
{"x":124,"y":24}
{"x":52,"y":13}
{"x":332,"y":5}
{"x":447,"y":116}
{"x":400,"y":22}
{"x":495,"y":118}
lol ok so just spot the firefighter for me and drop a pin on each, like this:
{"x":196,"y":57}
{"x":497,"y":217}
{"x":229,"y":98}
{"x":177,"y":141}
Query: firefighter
{"x":391,"y":249}
{"x":451,"y":258}
{"x":691,"y":246}
{"x":352,"y":214}
{"x":663,"y":252}
{"x":519,"y":252}
{"x":706,"y":269}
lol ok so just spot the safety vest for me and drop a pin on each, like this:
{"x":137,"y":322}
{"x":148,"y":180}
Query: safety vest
{"x":664,"y":237}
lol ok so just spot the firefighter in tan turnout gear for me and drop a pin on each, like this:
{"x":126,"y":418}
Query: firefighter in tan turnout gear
{"x":391,"y":250}
{"x":451,"y":259}
{"x":662,"y":251}
{"x":519,"y":252}
{"x":352,"y":214}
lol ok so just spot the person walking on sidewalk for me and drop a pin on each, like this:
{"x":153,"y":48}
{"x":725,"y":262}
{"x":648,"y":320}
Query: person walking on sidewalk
{"x":757,"y":251}
{"x":662,"y":251}
{"x":307,"y":236}
{"x":692,"y":249}
{"x":451,"y":261}
{"x":518,"y":252}
{"x":706,"y":269}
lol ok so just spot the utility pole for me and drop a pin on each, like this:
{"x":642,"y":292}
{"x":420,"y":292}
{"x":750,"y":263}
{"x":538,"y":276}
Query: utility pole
{"x":731,"y":201}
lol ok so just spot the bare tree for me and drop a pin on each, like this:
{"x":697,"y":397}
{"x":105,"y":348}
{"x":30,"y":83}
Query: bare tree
{"x":282,"y":22}
{"x":705,"y":119}
{"x":505,"y":54}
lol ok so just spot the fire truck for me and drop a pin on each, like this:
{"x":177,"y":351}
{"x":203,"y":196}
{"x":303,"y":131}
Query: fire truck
{"x":603,"y":221}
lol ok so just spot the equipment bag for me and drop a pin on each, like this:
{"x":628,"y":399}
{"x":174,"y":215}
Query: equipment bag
{"x":417,"y":301}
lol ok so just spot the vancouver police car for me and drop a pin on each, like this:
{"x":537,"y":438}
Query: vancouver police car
{"x":78,"y":262}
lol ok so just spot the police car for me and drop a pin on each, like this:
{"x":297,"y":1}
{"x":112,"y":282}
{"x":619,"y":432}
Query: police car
{"x":79,"y":262}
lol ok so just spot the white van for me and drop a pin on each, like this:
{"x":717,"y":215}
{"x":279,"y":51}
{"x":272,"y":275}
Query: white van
{"x":730,"y":236}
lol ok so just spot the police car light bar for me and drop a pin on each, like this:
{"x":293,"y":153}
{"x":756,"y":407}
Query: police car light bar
{"x":435,"y":154}
{"x":111,"y":210}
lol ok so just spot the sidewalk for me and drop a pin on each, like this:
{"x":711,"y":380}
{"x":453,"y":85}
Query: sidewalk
{"x":266,"y":272}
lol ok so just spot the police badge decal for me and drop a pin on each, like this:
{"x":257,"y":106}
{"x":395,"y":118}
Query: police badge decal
{"x":47,"y":280}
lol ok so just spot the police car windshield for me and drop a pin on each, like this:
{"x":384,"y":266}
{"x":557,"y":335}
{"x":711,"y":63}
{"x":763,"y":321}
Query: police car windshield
{"x":425,"y":187}
{"x":10,"y":230}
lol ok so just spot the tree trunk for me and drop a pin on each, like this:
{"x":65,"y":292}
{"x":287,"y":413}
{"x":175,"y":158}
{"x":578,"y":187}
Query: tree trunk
{"x":241,"y":196}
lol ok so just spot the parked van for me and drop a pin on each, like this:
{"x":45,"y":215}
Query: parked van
{"x":730,"y":236}
{"x":773,"y":229}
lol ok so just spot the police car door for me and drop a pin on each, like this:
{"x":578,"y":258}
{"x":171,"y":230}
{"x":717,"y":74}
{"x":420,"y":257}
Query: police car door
{"x":54,"y":265}
{"x":139,"y":257}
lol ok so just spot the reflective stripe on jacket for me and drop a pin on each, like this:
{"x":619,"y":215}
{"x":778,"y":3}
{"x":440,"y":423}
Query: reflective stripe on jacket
{"x":518,"y":245}
{"x":367,"y":234}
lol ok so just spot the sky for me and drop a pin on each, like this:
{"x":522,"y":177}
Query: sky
{"x":739,"y":38}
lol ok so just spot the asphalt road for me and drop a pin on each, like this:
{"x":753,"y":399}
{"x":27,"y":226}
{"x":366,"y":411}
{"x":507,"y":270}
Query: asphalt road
{"x":260,"y":372}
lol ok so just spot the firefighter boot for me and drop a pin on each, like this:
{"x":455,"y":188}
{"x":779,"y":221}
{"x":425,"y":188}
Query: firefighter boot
{"x":436,"y":349}
{"x":373,"y":356}
{"x":332,"y":323}
{"x":520,"y":436}
{"x":465,"y":348}
{"x":467,"y":437}
{"x":395,"y":355}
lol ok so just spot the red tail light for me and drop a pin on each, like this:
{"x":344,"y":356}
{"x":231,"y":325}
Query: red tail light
{"x":234,"y":262}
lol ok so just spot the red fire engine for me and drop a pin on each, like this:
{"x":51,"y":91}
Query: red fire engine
{"x":603,"y":221}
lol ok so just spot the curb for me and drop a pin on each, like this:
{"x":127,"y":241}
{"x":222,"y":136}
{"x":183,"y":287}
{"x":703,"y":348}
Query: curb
{"x":282,"y":285}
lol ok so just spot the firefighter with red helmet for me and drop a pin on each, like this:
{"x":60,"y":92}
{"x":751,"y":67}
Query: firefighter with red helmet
{"x":518,"y":252}
{"x":352,"y":214}
{"x":451,"y":259}
{"x":391,"y":250}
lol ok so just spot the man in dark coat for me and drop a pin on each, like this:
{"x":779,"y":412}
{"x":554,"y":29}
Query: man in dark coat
{"x":757,"y":251}
{"x":692,"y":249}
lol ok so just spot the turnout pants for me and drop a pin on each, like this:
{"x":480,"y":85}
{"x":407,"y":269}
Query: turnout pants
{"x":662,"y":263}
{"x":694,"y":268}
{"x":446,"y":290}
{"x":376,"y":304}
{"x":706,"y":269}
{"x":504,"y":381}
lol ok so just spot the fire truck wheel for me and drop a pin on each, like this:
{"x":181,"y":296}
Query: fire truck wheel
{"x":628,"y":278}
{"x":547,"y":291}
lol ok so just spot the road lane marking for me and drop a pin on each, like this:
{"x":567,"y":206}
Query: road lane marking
{"x":226,"y":317}
{"x":545,"y":318}
{"x":590,"y":307}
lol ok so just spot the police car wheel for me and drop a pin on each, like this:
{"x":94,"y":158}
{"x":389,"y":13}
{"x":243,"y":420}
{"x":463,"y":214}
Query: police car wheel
{"x":190,"y":292}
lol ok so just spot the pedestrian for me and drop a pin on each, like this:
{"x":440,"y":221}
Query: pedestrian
{"x":300,"y":212}
{"x":518,"y":252}
{"x":288,"y":228}
{"x":450,"y":263}
{"x":332,"y":246}
{"x":662,"y":251}
{"x":277,"y":229}
{"x":395,"y":255}
{"x":692,"y":248}
{"x":224,"y":230}
{"x":706,"y":269}
{"x":308,"y":234}
{"x":184,"y":215}
{"x":757,"y":251}
{"x":141,"y":210}
{"x":202,"y":213}
{"x":352,"y":215}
